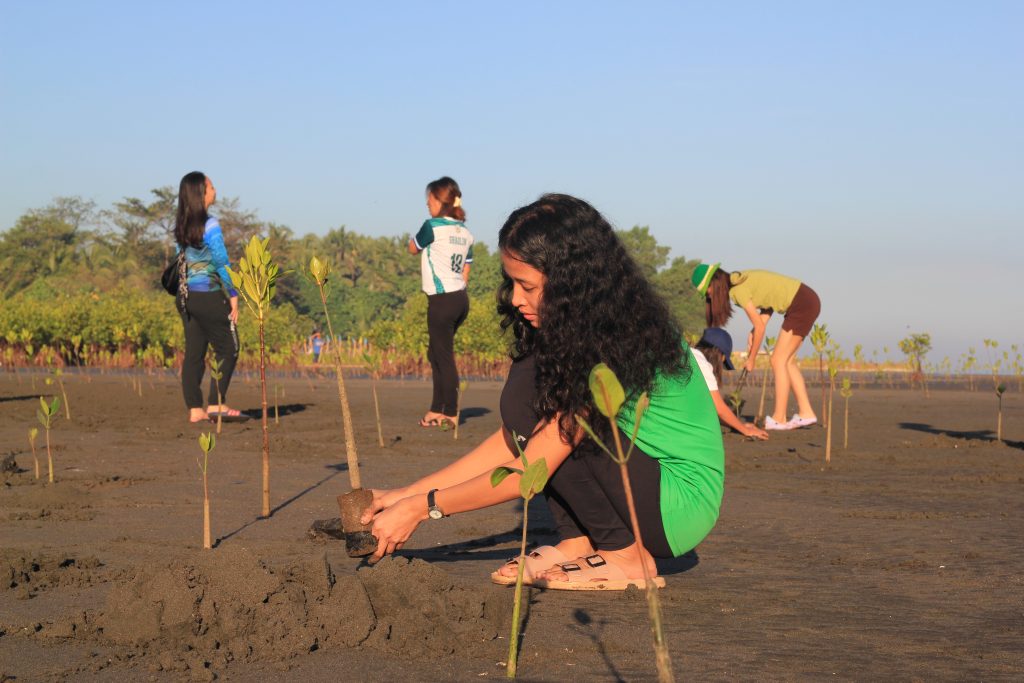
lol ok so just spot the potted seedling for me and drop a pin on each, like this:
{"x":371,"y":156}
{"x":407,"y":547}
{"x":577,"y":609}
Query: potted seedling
{"x":46,"y":413}
{"x":533,"y":477}
{"x":256,"y":280}
{"x":358,"y":539}
{"x":32,"y":434}
{"x":372,"y":363}
{"x":846,"y":392}
{"x":820,"y":339}
{"x":207,"y":442}
{"x":609,"y":396}
{"x":769,"y":345}
{"x":458,"y":407}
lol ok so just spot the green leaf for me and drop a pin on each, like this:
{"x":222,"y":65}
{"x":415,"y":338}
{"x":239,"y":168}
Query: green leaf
{"x":534,"y":479}
{"x":499,"y":474}
{"x":43,"y":419}
{"x":42,"y":402}
{"x":607,"y":391}
{"x":519,"y":449}
{"x":54,"y":405}
{"x":207,"y":442}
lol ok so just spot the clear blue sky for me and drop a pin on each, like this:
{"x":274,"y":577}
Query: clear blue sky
{"x":874,"y":150}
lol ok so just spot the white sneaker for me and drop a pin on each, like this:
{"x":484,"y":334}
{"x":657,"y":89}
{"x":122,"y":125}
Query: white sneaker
{"x":771,"y":425}
{"x":796,"y":422}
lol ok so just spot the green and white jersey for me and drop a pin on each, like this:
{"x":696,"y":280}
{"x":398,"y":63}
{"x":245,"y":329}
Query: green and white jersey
{"x":446,"y":246}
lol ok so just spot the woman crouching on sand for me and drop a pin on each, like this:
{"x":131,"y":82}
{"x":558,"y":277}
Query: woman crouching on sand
{"x":573,"y":298}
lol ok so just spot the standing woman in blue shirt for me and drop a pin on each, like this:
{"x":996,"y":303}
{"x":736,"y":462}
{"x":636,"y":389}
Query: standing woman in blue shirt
{"x":211,"y":304}
{"x":445,"y":247}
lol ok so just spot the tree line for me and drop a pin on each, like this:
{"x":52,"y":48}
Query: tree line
{"x":79,"y":260}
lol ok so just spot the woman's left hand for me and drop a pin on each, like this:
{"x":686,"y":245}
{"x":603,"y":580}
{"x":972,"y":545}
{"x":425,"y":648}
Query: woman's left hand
{"x":394,"y":525}
{"x":749,"y":365}
{"x":233,"y":315}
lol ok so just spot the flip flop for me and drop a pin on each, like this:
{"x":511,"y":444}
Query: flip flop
{"x":593,"y":573}
{"x":546,"y":555}
{"x":437,"y":422}
{"x":230,"y":415}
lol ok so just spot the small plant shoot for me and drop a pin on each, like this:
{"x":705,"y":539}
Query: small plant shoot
{"x":32,"y":434}
{"x":207,"y":442}
{"x":256,"y":282}
{"x":46,"y":413}
{"x":533,"y":477}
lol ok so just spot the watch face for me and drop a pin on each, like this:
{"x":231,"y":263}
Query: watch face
{"x":435,"y":513}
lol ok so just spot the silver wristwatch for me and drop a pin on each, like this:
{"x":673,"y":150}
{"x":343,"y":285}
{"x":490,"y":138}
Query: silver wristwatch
{"x":433,"y":511}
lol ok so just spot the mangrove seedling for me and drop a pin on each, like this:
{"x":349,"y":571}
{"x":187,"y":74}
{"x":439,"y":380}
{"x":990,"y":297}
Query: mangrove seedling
{"x":319,"y":274}
{"x":32,"y":434}
{"x":277,"y":419}
{"x":533,"y":477}
{"x":769,"y":345}
{"x":458,"y":407}
{"x":609,"y":396}
{"x":256,"y":281}
{"x":372,"y":363}
{"x":215,"y":377}
{"x":820,"y":339}
{"x":206,"y":443}
{"x":846,"y":392}
{"x":46,"y":413}
{"x":1000,"y":388}
{"x":832,"y":371}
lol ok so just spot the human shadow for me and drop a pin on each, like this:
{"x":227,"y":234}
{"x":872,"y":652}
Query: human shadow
{"x":27,"y":397}
{"x":470,"y":413}
{"x":337,"y":469}
{"x":986,"y":435}
{"x":282,"y":410}
{"x":483,"y":548}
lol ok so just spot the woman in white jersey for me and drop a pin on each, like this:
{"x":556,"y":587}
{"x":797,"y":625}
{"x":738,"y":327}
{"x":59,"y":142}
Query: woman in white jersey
{"x":712,"y":354}
{"x":445,"y":247}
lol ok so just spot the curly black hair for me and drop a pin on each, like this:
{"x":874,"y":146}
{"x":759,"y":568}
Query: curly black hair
{"x":596,"y":306}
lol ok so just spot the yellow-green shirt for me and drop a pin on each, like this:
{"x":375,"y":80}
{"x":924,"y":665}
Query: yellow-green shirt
{"x":764,"y":289}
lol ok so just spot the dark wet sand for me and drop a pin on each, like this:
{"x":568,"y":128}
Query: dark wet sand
{"x":902,"y":559}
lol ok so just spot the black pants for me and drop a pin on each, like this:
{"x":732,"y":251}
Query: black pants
{"x":587,"y":498}
{"x":445,"y":313}
{"x":207,"y":324}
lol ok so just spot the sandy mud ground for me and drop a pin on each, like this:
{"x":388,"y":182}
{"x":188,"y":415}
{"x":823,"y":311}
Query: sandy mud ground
{"x":901,"y":560}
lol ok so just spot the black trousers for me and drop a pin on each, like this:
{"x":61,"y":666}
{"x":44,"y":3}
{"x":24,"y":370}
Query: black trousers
{"x":587,"y":498}
{"x":445,"y":313}
{"x":207,"y":324}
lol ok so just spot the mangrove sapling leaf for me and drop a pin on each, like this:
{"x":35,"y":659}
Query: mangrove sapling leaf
{"x":256,"y":280}
{"x":46,"y":413}
{"x":532,"y":480}
{"x":319,"y":273}
{"x":606,"y":390}
{"x":207,"y":442}
{"x":1000,"y":389}
{"x":32,"y":434}
{"x":846,"y":392}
